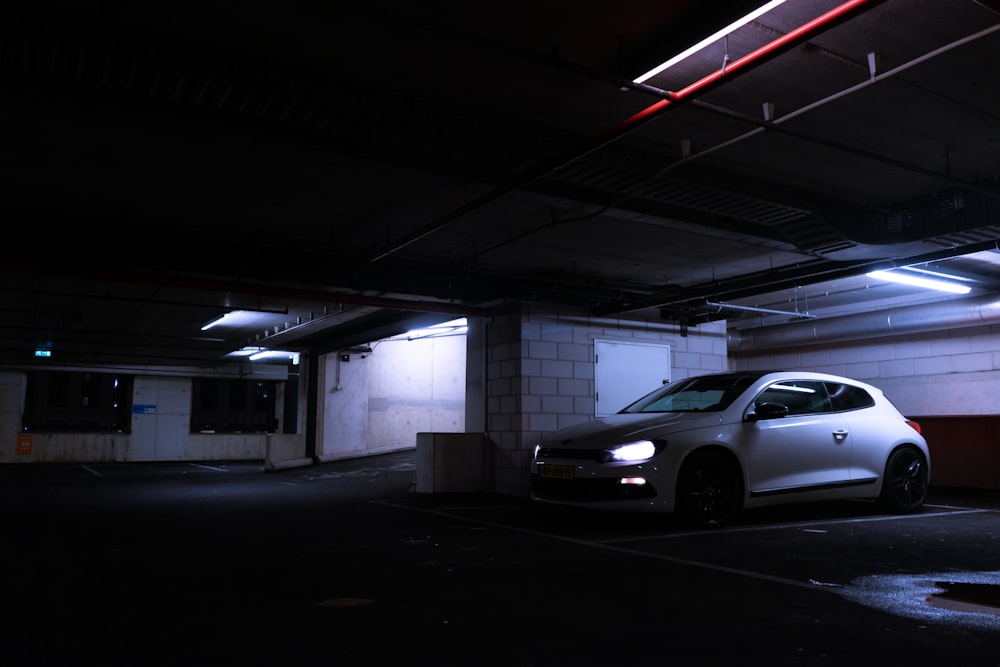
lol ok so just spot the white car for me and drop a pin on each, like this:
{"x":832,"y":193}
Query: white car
{"x":706,"y":447}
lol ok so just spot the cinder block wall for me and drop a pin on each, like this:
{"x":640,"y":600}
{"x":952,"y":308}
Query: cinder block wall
{"x":952,"y":372}
{"x":540,"y":375}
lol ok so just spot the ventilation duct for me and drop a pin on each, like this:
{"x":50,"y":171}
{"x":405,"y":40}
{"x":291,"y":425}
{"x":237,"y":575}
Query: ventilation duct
{"x":912,"y":319}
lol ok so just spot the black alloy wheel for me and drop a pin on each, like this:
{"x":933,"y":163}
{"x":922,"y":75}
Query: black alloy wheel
{"x":709,"y":489}
{"x":904,"y":485}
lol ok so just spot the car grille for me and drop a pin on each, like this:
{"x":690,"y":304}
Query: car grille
{"x":589,"y":489}
{"x":580,"y":454}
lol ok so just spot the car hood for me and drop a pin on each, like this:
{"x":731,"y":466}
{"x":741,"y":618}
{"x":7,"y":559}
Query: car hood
{"x":623,"y":427}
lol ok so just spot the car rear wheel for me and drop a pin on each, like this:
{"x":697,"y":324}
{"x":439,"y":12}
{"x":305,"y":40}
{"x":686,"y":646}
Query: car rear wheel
{"x":904,"y":485}
{"x":709,"y":489}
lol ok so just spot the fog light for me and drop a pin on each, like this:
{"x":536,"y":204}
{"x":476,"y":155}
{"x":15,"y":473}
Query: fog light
{"x":638,"y":481}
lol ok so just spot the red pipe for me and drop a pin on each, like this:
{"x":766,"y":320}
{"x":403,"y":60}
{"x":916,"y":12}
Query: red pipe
{"x":754,"y":58}
{"x":773,"y":48}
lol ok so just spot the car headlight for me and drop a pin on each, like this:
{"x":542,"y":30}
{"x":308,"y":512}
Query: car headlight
{"x":632,"y":451}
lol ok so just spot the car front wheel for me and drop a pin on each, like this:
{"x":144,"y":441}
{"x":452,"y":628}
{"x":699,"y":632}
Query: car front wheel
{"x":904,"y":485}
{"x":709,"y":489}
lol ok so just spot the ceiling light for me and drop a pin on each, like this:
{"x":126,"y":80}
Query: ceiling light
{"x":264,"y":355}
{"x":925,"y":279}
{"x":763,"y":9}
{"x":245,"y":351}
{"x":232,"y":318}
{"x":252,"y":353}
{"x":246,"y":318}
{"x":459,"y":326}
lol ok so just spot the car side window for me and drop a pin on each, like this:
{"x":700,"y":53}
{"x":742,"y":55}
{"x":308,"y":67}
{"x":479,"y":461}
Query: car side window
{"x":847,"y":397}
{"x":802,"y":397}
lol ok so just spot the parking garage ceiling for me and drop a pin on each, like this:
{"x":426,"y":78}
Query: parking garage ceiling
{"x":349,"y":170}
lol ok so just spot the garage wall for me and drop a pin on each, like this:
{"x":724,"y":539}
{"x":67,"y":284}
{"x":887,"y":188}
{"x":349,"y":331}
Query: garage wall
{"x":940,"y":373}
{"x":378,"y":401}
{"x":342,"y":410}
{"x":540,"y":375}
{"x":160,"y":432}
{"x":416,"y":386}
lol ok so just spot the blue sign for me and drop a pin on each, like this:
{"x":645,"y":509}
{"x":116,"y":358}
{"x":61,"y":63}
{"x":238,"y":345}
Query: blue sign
{"x":144,"y":409}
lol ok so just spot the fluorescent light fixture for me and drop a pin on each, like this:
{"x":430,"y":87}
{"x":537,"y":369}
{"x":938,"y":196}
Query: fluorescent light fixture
{"x":923,"y":278}
{"x":732,"y":27}
{"x":252,"y":353}
{"x":240,"y":318}
{"x":265,"y":355}
{"x":459,"y":326}
{"x":231,"y":318}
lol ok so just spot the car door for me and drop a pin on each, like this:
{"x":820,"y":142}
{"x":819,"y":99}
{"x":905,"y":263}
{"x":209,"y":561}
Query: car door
{"x":808,"y":447}
{"x":872,"y":433}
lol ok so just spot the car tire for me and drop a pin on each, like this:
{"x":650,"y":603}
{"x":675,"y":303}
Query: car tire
{"x":709,"y":489}
{"x":905,"y":482}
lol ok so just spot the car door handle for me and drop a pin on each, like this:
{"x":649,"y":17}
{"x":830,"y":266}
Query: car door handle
{"x":839,"y":435}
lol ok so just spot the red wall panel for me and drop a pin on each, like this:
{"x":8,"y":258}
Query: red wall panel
{"x":965,"y":451}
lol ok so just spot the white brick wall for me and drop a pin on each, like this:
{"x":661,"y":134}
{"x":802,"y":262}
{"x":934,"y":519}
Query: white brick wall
{"x":950,"y":372}
{"x":555,"y":375}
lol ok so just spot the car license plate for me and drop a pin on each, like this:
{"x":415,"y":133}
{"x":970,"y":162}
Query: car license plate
{"x":556,"y":472}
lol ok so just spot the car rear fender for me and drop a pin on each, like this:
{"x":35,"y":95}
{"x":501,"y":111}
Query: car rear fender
{"x":869,"y":462}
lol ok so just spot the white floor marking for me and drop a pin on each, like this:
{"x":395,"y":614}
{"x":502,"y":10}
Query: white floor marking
{"x":610,"y":545}
{"x":607,"y":546}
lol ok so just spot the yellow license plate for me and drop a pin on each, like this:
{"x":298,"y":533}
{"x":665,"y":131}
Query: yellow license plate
{"x":556,"y":472}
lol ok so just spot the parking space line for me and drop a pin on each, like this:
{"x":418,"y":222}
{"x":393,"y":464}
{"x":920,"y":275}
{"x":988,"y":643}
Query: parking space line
{"x":799,"y":524}
{"x":612,"y":545}
{"x":606,"y":546}
{"x":200,"y":465}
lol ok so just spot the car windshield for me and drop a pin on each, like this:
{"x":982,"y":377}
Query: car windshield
{"x":705,"y":393}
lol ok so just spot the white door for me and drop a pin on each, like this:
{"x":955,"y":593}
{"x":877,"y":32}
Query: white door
{"x":625,"y":371}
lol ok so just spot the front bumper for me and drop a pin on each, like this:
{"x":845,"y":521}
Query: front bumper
{"x":589,"y":490}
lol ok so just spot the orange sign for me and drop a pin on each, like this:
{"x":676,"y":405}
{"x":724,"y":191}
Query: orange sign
{"x":24,"y":443}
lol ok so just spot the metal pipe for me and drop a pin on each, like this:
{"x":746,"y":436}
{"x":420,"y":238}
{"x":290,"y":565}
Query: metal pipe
{"x":753,"y":309}
{"x":754,"y":58}
{"x":907,"y":320}
{"x":774,"y":124}
{"x":790,"y":277}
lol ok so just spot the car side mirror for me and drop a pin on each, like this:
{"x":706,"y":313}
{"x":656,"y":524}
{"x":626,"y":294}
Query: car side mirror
{"x":768,"y":411}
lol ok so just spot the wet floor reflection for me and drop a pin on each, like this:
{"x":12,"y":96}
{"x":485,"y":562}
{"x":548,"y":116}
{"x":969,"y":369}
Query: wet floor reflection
{"x":966,"y":598}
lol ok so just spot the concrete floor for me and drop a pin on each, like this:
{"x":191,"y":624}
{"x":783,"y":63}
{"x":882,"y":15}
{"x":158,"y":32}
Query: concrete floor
{"x":343,"y":564}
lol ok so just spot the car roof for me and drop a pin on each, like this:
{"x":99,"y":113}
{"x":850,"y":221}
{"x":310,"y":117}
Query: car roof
{"x":776,"y":374}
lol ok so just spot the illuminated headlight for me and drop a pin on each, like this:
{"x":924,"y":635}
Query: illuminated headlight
{"x":632,"y":451}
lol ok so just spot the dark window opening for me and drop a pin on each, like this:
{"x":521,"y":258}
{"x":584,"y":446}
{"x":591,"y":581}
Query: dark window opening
{"x":78,"y":402}
{"x":233,"y":406}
